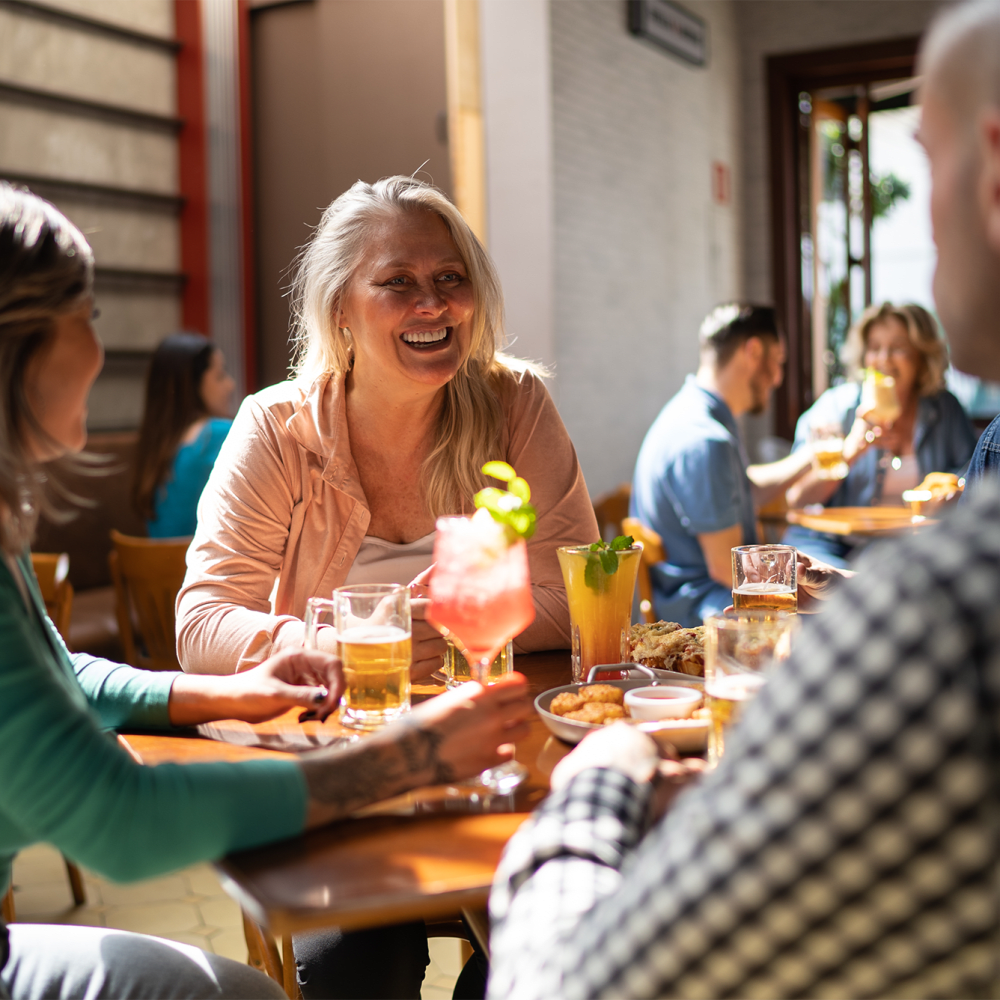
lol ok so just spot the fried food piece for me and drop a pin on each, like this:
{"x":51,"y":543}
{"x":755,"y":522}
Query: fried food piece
{"x":941,"y":485}
{"x":667,"y":646}
{"x":597,"y":713}
{"x":604,"y":693}
{"x":566,"y":702}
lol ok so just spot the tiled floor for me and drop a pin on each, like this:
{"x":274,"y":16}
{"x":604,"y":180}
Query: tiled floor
{"x":188,"y":906}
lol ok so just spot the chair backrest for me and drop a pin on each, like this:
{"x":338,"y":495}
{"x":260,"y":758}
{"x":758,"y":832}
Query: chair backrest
{"x":611,"y":509}
{"x":147,"y":574}
{"x":52,"y":573}
{"x":652,"y":552}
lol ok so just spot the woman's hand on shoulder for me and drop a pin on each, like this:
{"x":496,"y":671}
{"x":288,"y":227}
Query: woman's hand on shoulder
{"x":303,"y":678}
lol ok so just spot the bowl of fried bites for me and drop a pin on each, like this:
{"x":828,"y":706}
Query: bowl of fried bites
{"x":676,"y":654}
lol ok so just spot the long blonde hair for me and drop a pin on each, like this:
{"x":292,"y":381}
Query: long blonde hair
{"x":469,"y":427}
{"x":923,"y":333}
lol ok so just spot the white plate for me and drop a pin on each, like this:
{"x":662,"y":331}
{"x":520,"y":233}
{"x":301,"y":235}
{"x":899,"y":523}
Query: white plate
{"x":687,"y":735}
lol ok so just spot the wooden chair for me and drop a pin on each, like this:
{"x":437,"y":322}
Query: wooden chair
{"x":772,"y":520}
{"x":611,"y":509}
{"x":263,"y":953}
{"x":52,"y":572}
{"x":652,"y":552}
{"x":147,"y":574}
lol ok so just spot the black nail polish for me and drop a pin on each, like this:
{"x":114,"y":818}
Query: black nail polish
{"x":307,"y":716}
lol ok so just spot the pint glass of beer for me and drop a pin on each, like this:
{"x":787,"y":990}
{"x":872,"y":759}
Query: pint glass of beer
{"x":374,"y":636}
{"x":456,"y":667}
{"x":827,"y":444}
{"x":764,"y":578}
{"x":740,"y":646}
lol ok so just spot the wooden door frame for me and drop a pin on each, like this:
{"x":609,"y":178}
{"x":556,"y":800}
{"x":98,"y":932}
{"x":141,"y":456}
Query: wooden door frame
{"x":787,"y":77}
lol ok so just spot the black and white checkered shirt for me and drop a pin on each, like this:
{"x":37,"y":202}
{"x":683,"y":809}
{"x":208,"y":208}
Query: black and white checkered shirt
{"x":847,"y":845}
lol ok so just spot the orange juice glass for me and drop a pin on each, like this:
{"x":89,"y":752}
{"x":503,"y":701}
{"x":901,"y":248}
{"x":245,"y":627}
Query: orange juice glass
{"x":600,"y":605}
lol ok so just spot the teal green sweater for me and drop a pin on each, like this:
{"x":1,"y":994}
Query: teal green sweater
{"x":65,"y":780}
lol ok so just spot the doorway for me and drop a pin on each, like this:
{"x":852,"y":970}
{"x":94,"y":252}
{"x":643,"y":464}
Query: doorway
{"x":841,"y":177}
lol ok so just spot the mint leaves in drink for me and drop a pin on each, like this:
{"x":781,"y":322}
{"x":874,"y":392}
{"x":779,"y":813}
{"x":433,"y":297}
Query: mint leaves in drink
{"x":602,"y":561}
{"x":509,"y":507}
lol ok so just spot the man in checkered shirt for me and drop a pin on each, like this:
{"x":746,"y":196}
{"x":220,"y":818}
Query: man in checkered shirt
{"x":848,"y":845}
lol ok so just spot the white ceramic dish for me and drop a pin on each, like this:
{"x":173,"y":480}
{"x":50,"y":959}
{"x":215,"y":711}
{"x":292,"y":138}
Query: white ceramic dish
{"x":662,"y":701}
{"x":687,"y":735}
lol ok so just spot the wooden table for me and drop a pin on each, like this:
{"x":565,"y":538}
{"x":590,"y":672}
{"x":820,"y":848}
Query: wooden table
{"x":415,"y":856}
{"x":864,"y":521}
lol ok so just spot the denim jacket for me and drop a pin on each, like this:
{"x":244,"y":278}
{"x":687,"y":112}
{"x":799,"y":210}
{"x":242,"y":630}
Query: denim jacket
{"x":943,"y":440}
{"x":985,"y":459}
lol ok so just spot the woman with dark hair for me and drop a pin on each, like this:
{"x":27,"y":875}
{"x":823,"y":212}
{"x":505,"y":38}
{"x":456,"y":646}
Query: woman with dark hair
{"x":187,"y":417}
{"x":61,"y":779}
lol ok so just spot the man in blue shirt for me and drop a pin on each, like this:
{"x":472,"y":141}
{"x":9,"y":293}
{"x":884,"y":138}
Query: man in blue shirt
{"x":693,"y":483}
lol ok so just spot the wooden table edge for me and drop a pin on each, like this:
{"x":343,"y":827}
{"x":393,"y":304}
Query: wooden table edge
{"x":280,"y":921}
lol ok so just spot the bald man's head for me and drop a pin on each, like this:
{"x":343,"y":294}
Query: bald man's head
{"x":962,"y":53}
{"x":960,"y":129}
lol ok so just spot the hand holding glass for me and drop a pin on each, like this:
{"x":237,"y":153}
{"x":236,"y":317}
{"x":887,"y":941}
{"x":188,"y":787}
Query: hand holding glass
{"x":827,"y":444}
{"x":373,"y":628}
{"x":764,"y":578}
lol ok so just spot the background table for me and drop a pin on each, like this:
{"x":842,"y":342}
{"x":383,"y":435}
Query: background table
{"x":422,"y":855}
{"x":866,"y":521}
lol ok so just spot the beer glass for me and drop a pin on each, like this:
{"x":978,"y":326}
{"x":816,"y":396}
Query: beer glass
{"x":764,"y":578}
{"x":456,"y":667}
{"x":374,"y":638}
{"x":739,"y":648}
{"x":827,"y":444}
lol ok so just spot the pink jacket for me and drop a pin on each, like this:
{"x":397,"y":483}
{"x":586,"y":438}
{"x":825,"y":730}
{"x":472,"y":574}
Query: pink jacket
{"x":284,"y":502}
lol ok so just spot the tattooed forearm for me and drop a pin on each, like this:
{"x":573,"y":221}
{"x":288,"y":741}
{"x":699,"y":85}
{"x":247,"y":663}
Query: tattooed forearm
{"x":388,"y":764}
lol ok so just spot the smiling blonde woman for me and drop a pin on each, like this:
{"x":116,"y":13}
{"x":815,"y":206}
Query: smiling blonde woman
{"x":399,"y":396}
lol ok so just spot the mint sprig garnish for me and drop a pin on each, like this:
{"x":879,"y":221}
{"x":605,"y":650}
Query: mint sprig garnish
{"x":602,"y":561}
{"x":510,"y":507}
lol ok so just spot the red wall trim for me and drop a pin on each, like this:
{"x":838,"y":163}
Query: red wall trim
{"x":247,"y":197}
{"x":192,"y":166}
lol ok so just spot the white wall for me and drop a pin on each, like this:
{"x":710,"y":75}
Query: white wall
{"x":517,"y":104}
{"x":641,"y":251}
{"x":773,"y":27}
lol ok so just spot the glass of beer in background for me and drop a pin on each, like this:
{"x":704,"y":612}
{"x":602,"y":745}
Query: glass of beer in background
{"x":456,"y":667}
{"x":764,"y":578}
{"x":374,"y":638}
{"x":827,"y":444}
{"x":739,"y":648}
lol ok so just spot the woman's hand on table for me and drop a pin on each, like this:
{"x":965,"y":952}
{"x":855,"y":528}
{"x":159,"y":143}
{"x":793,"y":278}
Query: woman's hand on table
{"x":817,"y":581}
{"x":453,"y":736}
{"x":428,"y":643}
{"x":296,"y":678}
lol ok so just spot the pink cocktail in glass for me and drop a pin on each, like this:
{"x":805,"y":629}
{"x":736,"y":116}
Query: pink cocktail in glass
{"x":480,"y":588}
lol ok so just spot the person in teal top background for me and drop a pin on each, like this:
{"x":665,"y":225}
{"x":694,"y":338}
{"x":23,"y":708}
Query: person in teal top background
{"x":62,"y":780}
{"x":189,"y":396}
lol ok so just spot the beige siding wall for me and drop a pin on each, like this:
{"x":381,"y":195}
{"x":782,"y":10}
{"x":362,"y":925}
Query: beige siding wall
{"x":641,"y":250}
{"x":78,"y":148}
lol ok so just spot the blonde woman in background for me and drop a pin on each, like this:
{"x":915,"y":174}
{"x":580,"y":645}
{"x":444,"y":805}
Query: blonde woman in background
{"x":337,"y":476}
{"x":932,"y":433}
